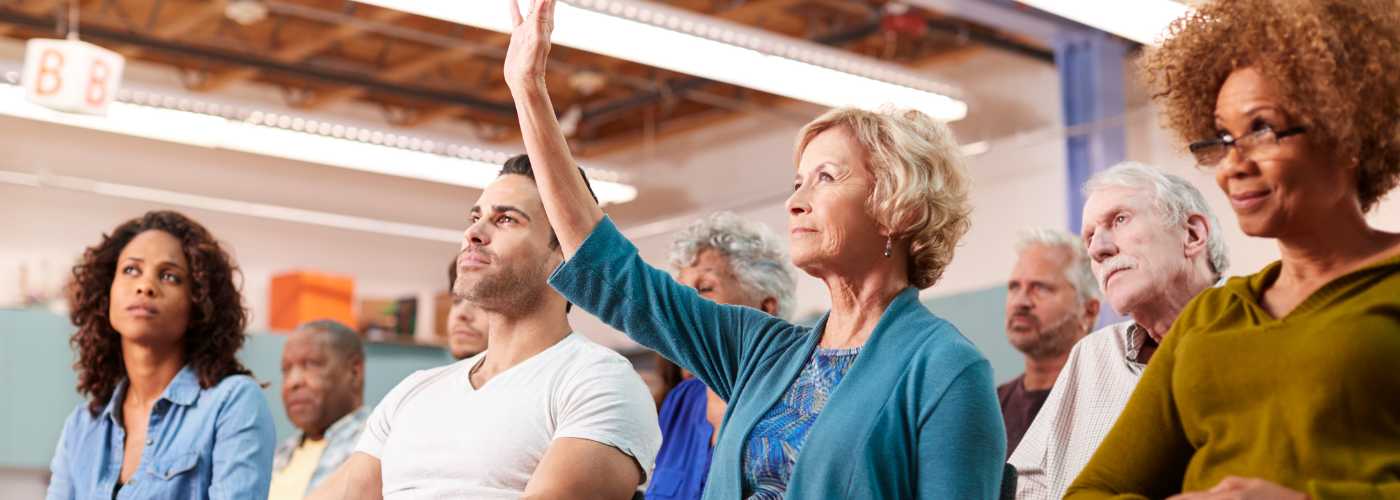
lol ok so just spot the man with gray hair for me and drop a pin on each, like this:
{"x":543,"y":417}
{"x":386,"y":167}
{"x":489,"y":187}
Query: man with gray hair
{"x":730,"y":261}
{"x":1154,"y":246}
{"x":323,"y":382}
{"x":1051,"y":302}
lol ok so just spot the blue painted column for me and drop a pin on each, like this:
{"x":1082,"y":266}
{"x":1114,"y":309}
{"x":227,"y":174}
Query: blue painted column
{"x":1091,"y":85}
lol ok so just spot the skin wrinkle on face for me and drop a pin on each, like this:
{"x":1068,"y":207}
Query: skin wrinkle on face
{"x":1126,"y":237}
{"x":831,"y":227}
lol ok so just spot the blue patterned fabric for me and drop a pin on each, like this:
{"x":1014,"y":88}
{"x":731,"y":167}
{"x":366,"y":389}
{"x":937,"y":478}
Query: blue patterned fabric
{"x":773,"y":446}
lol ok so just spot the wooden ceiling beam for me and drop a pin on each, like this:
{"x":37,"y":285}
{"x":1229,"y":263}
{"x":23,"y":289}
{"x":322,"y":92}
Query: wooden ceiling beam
{"x":182,"y":25}
{"x":296,"y":52}
{"x":402,"y":71}
{"x":34,"y":7}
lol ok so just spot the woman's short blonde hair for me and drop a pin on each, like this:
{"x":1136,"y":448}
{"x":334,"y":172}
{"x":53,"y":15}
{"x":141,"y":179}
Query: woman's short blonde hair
{"x":920,"y":192}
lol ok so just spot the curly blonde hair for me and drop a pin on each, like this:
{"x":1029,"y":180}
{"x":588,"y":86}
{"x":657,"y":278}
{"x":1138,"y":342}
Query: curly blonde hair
{"x":921,"y":186}
{"x":1337,"y":63}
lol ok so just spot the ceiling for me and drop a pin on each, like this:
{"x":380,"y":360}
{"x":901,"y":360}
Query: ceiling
{"x":419,"y":71}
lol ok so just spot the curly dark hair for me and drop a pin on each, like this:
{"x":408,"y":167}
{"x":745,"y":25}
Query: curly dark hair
{"x":1337,"y":63}
{"x":217,"y":316}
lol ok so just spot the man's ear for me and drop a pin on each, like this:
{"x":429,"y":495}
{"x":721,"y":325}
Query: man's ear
{"x":770,"y":306}
{"x":1197,"y":235}
{"x":357,"y":374}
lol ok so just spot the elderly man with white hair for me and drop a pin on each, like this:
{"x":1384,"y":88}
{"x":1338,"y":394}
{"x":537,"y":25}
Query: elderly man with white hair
{"x":1154,"y":246}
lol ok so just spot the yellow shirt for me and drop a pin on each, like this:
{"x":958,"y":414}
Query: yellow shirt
{"x":290,"y":482}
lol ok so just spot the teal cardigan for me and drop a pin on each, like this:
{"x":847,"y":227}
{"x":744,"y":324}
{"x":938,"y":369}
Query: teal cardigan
{"x":915,"y":417}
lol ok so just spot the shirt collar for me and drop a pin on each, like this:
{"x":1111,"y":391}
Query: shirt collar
{"x":1134,"y":337}
{"x":182,"y":390}
{"x":110,"y":410}
{"x":348,"y":423}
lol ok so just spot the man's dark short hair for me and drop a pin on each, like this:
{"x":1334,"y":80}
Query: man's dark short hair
{"x":520,"y":165}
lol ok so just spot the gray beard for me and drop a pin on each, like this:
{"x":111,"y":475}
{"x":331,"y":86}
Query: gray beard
{"x":1052,"y":340}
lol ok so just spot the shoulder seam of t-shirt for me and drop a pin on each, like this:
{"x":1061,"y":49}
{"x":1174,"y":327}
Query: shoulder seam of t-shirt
{"x":428,"y":377}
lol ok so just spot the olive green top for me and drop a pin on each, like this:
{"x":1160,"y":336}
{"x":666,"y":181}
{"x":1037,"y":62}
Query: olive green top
{"x":1310,"y":401}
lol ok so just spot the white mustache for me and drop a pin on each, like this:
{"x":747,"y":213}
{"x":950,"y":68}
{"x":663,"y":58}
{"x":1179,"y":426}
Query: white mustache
{"x":1113,"y":264}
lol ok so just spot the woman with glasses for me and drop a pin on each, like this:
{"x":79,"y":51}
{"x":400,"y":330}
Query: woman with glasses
{"x":1281,"y":384}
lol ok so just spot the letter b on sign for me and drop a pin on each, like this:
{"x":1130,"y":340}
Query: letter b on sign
{"x":70,"y":75}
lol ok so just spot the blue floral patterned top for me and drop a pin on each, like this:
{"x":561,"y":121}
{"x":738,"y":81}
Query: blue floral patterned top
{"x":774,"y":443}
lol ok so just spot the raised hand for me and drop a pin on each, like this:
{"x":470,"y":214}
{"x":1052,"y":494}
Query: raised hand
{"x":529,"y":45}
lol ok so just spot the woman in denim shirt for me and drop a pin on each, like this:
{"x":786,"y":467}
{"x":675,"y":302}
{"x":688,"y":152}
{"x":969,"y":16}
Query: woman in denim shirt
{"x":171,"y":414}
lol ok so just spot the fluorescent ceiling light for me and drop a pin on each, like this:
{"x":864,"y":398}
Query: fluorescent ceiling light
{"x":669,"y":38}
{"x":262,"y":135}
{"x":1142,"y":21}
{"x":236,"y":207}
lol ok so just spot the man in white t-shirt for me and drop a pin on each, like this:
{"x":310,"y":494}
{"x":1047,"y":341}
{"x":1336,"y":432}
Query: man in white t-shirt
{"x":543,"y":412}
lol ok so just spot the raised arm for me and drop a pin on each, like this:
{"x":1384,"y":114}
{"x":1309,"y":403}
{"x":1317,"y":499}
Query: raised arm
{"x":570,"y":208}
{"x":716,"y":342}
{"x":644,"y":302}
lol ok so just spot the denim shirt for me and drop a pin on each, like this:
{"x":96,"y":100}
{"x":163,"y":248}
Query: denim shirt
{"x":213,"y":443}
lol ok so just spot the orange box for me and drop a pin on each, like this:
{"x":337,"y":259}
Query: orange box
{"x":301,"y":296}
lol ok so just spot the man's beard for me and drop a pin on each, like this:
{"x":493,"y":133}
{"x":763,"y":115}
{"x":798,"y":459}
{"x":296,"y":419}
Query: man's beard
{"x":513,"y":289}
{"x":1051,"y":340}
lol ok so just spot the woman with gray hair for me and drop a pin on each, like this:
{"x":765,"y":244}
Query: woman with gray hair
{"x":880,"y":399}
{"x":730,"y":261}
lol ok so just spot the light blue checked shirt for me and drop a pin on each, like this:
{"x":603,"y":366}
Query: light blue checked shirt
{"x":340,"y":444}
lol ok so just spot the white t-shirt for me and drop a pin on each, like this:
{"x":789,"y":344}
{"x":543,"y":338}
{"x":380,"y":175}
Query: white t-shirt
{"x":437,"y":437}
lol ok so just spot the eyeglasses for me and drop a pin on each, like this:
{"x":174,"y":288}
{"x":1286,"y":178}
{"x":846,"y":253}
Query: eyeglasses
{"x":1211,"y":152}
